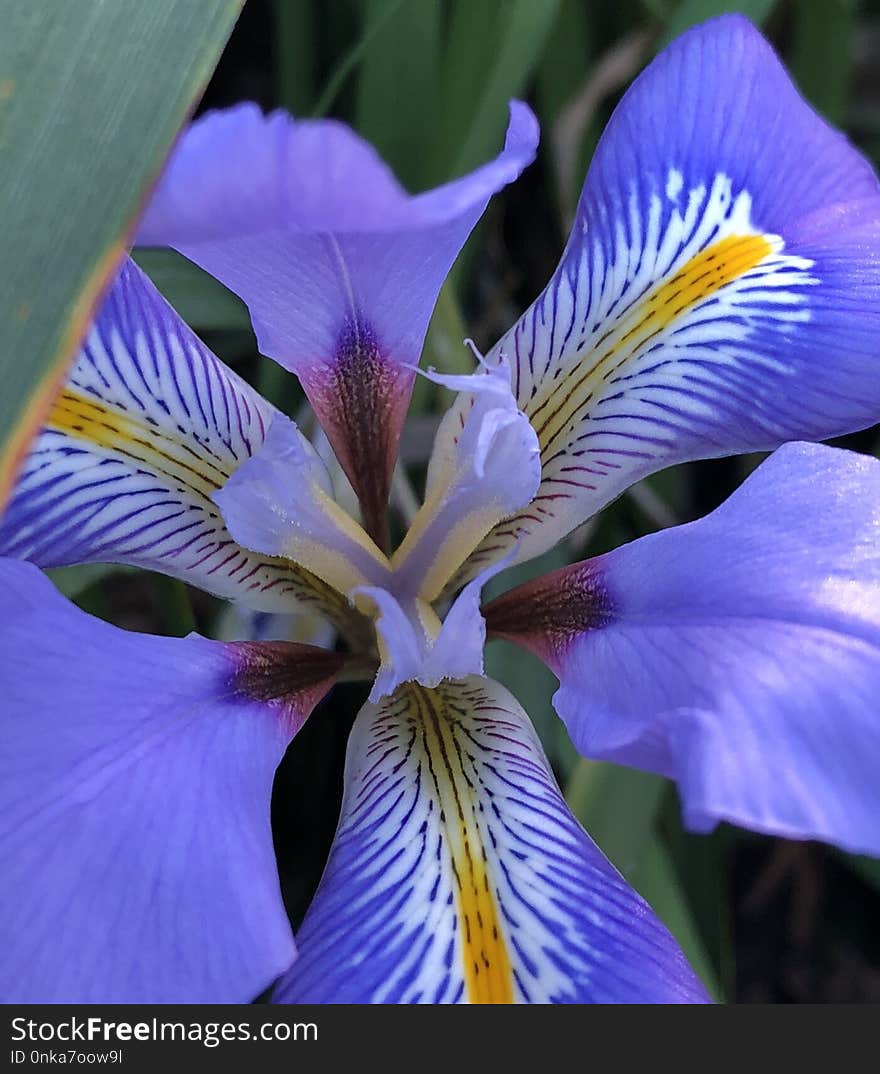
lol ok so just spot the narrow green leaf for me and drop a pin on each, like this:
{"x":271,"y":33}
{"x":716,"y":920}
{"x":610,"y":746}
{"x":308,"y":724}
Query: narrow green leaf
{"x":513,"y":61}
{"x":491,"y":54}
{"x":618,"y":807}
{"x":656,"y":880}
{"x":690,"y":12}
{"x":397,"y":86}
{"x":347,"y":64}
{"x":470,"y":40}
{"x":703,"y":865}
{"x":91,"y":96}
{"x":565,"y":61}
{"x":566,"y":64}
{"x":821,"y":60}
{"x":296,"y":53}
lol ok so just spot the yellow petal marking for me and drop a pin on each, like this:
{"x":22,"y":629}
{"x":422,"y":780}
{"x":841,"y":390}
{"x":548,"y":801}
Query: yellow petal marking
{"x":109,"y":428}
{"x":145,"y":446}
{"x":487,"y":969}
{"x":553,"y":410}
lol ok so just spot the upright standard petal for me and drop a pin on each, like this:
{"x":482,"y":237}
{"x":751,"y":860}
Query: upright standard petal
{"x":458,"y":875}
{"x":280,"y":502}
{"x":339,"y":266}
{"x":135,"y":781}
{"x":492,"y":469}
{"x":148,"y":426}
{"x":739,"y":655}
{"x":720,"y":291}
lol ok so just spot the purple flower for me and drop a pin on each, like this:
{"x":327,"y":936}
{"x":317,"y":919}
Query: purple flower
{"x":720,"y":292}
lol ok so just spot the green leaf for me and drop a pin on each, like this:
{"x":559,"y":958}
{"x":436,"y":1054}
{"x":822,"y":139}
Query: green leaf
{"x":821,"y":60}
{"x":703,"y":865}
{"x":565,"y":61}
{"x":690,"y":12}
{"x":350,"y":60}
{"x":397,"y":86}
{"x":295,"y":44}
{"x":73,"y":581}
{"x":91,"y":96}
{"x":470,"y":41}
{"x":203,"y":302}
{"x":491,"y":53}
{"x":656,"y":880}
{"x":618,"y":807}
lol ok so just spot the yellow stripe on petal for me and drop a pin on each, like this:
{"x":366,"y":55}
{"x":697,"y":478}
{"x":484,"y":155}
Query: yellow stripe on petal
{"x":459,"y":875}
{"x":146,"y":429}
{"x":484,"y":949}
{"x":664,"y":335}
{"x":102,"y":426}
{"x":14,"y":451}
{"x":552,"y":410}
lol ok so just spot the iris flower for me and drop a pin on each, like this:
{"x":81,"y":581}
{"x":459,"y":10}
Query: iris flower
{"x":719,"y":293}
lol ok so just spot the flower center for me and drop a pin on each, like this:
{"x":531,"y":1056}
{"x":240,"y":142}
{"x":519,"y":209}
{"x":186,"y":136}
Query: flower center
{"x":279,"y":502}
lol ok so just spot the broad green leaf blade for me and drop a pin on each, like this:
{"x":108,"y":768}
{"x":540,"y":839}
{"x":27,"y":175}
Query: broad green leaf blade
{"x":91,"y":96}
{"x":470,"y":40}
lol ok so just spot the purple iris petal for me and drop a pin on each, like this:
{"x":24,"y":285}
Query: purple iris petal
{"x":280,"y":503}
{"x":719,"y":293}
{"x":739,"y":655}
{"x":458,"y":873}
{"x":149,"y":424}
{"x":135,"y":780}
{"x":339,"y":266}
